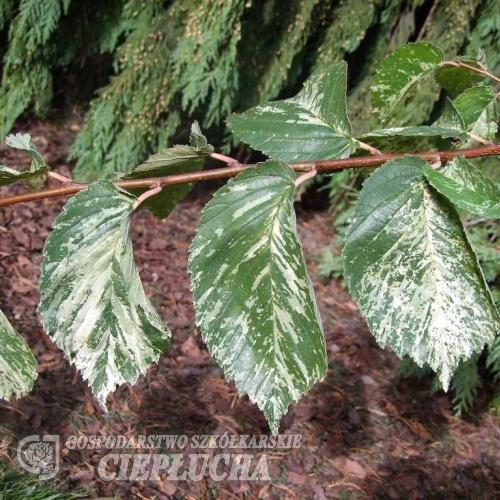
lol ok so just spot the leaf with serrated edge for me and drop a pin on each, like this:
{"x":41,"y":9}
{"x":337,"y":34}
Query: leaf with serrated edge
{"x":179,"y":159}
{"x":479,"y":110}
{"x":399,"y":71}
{"x":17,"y":363}
{"x":92,"y":302}
{"x":198,"y":141}
{"x":472,"y":103}
{"x":456,"y":79}
{"x":23,"y":142}
{"x":9,"y":175}
{"x":450,"y":118}
{"x":413,"y":273}
{"x":466,"y":187}
{"x":387,"y":138}
{"x":253,"y":297}
{"x":313,"y":125}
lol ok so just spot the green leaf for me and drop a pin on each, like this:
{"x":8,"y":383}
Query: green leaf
{"x":450,"y":118}
{"x":253,"y":298}
{"x":479,"y":110}
{"x":38,"y":165}
{"x":472,"y":103}
{"x":9,"y":175}
{"x":409,"y":138}
{"x":466,"y":187}
{"x":177,"y":160}
{"x":457,"y":79}
{"x":198,"y":141}
{"x":399,"y":71}
{"x":410,"y":268}
{"x":92,"y":302}
{"x":313,"y":125}
{"x":17,"y":363}
{"x":23,"y":142}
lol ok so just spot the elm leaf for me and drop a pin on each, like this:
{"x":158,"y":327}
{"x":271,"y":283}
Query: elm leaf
{"x":313,"y":125}
{"x":466,"y":187}
{"x":92,"y":303}
{"x":17,"y":363}
{"x":399,"y":71}
{"x":413,"y":273}
{"x":253,"y":298}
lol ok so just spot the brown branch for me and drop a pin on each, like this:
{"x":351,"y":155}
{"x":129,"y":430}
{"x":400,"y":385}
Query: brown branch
{"x":481,"y":70}
{"x":234,"y":169}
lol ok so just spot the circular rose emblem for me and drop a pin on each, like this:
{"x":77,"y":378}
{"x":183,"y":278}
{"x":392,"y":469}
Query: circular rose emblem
{"x":40,"y":455}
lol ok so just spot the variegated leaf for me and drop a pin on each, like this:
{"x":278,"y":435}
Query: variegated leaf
{"x":313,"y":125}
{"x":399,"y":71}
{"x":450,"y":117}
{"x":38,"y":166}
{"x":92,"y":302}
{"x":23,"y":142}
{"x":479,"y":110}
{"x":176,"y":160}
{"x":466,"y":187}
{"x":409,"y":138}
{"x":252,"y":294}
{"x":413,"y":273}
{"x":9,"y":175}
{"x":472,"y":103}
{"x":17,"y":363}
{"x":457,"y":79}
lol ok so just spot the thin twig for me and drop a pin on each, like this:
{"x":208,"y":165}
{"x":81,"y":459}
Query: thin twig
{"x":305,"y":176}
{"x":58,"y":177}
{"x":427,"y":21}
{"x":234,"y":169}
{"x":478,"y":139}
{"x":147,"y":194}
{"x":481,"y":70}
{"x":370,"y":149}
{"x":224,"y":158}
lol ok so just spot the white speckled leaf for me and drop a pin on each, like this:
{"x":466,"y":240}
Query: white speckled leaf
{"x":38,"y":167}
{"x":413,"y":273}
{"x":466,"y":187}
{"x":9,"y":175}
{"x":313,"y":125}
{"x":252,"y":294}
{"x":17,"y":363}
{"x":456,"y":79}
{"x":23,"y":142}
{"x":409,"y":138}
{"x":92,"y":302}
{"x":479,"y":110}
{"x":472,"y":103}
{"x":399,"y":71}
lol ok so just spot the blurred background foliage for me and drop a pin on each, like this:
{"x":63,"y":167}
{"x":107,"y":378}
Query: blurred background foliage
{"x":144,"y":70}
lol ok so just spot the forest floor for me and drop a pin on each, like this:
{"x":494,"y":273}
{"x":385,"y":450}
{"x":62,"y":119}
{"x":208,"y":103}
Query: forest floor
{"x":366,"y":433}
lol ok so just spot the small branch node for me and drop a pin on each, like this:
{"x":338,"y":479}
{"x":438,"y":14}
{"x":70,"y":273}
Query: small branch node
{"x":437,"y":163}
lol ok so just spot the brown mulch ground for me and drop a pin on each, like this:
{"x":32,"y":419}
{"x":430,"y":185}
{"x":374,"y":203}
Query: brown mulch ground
{"x":366,"y":434}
